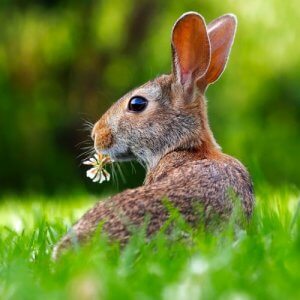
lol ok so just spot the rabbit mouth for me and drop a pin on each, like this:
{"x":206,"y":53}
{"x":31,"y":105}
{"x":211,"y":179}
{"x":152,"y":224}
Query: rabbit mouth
{"x":119,"y":154}
{"x":123,"y":156}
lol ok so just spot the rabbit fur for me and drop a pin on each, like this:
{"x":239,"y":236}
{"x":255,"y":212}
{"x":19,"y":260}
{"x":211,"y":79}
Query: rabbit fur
{"x":173,"y":139}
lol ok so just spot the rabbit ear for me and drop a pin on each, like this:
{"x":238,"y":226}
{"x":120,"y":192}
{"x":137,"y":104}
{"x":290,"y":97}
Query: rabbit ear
{"x":190,"y":48}
{"x":221,"y":33}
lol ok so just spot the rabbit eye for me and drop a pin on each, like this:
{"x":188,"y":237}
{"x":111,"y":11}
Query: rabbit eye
{"x":137,"y":104}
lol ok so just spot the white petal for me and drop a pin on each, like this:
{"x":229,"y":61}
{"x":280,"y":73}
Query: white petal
{"x":91,"y":173}
{"x":102,"y":177}
{"x":97,"y":177}
{"x":108,"y":177}
{"x":93,"y":160}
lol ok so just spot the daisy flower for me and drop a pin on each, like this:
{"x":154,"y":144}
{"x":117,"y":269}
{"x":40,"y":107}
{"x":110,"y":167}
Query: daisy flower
{"x":97,"y":172}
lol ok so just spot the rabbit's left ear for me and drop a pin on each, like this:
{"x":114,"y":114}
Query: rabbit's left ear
{"x":190,"y":49}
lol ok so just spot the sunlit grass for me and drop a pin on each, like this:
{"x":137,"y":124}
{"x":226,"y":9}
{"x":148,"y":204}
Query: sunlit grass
{"x":261,"y":261}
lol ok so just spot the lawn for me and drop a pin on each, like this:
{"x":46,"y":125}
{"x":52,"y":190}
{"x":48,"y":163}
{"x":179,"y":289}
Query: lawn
{"x":257,"y":261}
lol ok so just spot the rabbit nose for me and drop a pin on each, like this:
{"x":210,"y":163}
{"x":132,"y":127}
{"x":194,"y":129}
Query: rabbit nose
{"x":102,"y":136}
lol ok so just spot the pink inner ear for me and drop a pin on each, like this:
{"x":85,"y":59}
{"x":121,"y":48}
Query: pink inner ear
{"x":191,"y":48}
{"x":186,"y":77}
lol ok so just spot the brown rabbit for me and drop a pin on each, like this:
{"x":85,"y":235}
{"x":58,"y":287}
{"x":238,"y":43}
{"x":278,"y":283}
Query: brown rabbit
{"x":163,"y":124}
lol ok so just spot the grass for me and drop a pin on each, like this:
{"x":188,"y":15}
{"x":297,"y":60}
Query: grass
{"x":261,"y":261}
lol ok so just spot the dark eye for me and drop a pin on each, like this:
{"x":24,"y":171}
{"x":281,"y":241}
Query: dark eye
{"x":137,"y":104}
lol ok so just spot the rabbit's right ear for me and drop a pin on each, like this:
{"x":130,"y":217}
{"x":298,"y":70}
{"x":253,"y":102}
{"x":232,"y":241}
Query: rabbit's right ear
{"x":190,"y":49}
{"x":221,"y":33}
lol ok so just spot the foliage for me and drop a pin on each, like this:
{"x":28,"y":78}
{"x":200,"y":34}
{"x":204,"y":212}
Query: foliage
{"x":259,"y":261}
{"x":64,"y":61}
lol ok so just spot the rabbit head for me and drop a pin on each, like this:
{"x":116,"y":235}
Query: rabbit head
{"x":169,"y":112}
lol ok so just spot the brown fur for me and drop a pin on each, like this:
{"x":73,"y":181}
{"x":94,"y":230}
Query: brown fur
{"x":173,"y":139}
{"x":103,"y":138}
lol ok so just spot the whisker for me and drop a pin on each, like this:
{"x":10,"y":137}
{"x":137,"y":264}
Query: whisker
{"x":121,"y":172}
{"x":112,"y":173}
{"x":84,"y":144}
{"x":142,"y":163}
{"x":115,"y":175}
{"x":91,"y":146}
{"x":86,"y":129}
{"x":86,"y":121}
{"x":86,"y":155}
{"x":87,"y":125}
{"x":87,"y":149}
{"x":133,"y":169}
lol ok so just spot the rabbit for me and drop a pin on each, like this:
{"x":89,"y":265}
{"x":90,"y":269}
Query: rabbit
{"x":164,"y":125}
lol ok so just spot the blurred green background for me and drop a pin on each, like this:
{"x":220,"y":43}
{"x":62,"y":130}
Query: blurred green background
{"x":63,"y":62}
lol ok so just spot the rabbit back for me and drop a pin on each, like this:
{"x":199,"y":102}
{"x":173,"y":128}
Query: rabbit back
{"x":208,"y":183}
